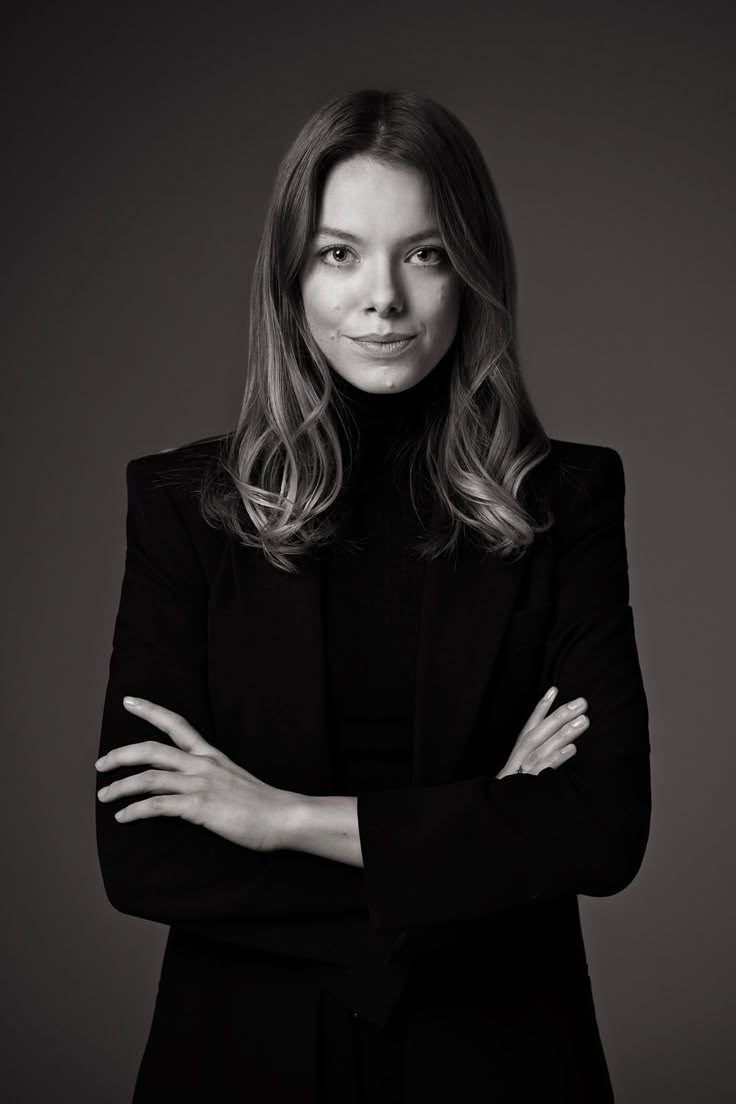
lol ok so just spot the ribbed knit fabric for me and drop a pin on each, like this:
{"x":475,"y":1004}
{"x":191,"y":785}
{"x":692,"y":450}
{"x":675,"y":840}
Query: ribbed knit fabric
{"x":373,"y":580}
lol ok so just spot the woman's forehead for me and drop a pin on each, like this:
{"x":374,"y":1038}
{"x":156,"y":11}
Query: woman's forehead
{"x":364,"y":198}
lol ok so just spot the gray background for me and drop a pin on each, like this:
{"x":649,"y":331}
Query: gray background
{"x":141,"y":152}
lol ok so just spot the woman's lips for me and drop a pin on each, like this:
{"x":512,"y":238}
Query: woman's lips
{"x":382,"y":349}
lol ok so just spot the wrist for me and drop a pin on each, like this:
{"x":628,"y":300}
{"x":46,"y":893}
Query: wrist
{"x":323,"y":826}
{"x":294,"y":821}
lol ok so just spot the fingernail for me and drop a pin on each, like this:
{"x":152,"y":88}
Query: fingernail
{"x":550,"y":693}
{"x":575,"y":704}
{"x":131,"y":701}
{"x":579,"y":721}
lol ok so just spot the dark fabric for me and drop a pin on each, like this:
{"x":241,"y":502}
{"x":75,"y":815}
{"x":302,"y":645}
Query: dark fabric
{"x":239,"y":1025}
{"x":478,"y":845}
{"x":372,"y":589}
{"x":359,"y":1062}
{"x":228,"y":1026}
{"x":468,"y":881}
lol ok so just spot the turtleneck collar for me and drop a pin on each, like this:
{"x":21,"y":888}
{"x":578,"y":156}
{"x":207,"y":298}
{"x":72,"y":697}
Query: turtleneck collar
{"x":388,"y":410}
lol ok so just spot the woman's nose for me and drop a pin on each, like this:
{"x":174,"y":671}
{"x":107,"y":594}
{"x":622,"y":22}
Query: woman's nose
{"x":383,"y":287}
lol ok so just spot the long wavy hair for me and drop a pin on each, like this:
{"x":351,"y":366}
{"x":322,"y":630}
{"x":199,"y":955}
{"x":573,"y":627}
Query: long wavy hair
{"x":280,"y":472}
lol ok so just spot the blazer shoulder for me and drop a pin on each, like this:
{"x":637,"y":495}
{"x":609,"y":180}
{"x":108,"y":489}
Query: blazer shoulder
{"x":191,"y":456}
{"x":580,"y":454}
{"x":579,"y":467}
{"x":181,"y":469}
{"x":164,"y":498}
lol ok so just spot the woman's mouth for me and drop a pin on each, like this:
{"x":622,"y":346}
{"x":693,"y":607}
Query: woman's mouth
{"x":382,"y":348}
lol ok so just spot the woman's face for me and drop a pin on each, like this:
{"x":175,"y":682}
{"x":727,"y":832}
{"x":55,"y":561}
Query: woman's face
{"x":376,"y":266}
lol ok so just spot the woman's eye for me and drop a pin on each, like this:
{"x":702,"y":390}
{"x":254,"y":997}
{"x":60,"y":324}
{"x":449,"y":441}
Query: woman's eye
{"x":334,"y":249}
{"x":431,"y":249}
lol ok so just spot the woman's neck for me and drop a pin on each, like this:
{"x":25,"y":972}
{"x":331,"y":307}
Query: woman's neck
{"x":389,"y":409}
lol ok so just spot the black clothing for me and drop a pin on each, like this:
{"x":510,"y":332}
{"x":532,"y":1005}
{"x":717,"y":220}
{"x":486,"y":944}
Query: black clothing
{"x":372,"y":589}
{"x":357,"y":1061}
{"x":372,"y":592}
{"x":463,"y":873}
{"x":372,"y":582}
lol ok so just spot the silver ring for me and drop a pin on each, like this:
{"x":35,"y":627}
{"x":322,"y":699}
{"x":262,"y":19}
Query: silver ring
{"x":522,"y":771}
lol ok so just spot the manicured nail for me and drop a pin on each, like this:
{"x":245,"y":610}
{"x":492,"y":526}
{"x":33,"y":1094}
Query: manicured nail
{"x":579,"y":721}
{"x":550,"y":693}
{"x":575,"y":704}
{"x":131,"y":701}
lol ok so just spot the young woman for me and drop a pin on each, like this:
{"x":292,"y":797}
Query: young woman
{"x":390,"y":719}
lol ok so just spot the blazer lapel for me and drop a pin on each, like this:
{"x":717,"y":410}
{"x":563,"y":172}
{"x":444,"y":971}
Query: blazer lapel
{"x":284,"y":656}
{"x":467,"y":601}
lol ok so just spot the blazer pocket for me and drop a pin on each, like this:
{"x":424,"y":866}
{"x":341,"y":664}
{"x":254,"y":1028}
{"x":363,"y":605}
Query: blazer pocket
{"x":529,"y":626}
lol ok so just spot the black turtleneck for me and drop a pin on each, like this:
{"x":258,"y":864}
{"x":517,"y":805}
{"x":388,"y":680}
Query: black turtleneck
{"x":373,"y":579}
{"x":372,"y":594}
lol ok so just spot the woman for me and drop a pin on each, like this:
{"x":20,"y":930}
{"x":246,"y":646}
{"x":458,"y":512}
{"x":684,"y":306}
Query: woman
{"x":366,"y":630}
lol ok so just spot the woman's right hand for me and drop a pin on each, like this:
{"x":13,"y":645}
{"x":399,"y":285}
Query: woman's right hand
{"x":547,"y":741}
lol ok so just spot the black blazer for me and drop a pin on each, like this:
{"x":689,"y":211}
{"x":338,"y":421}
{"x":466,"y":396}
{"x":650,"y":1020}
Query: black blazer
{"x":466,"y":911}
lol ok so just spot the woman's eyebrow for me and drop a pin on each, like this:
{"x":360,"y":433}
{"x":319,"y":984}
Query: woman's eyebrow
{"x":333,"y":231}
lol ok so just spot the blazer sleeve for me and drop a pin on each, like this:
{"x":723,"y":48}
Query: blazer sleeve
{"x":442,"y":859}
{"x":167,"y":869}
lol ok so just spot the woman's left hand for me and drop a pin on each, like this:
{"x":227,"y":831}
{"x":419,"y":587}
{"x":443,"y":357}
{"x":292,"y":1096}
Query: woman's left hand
{"x":197,"y":782}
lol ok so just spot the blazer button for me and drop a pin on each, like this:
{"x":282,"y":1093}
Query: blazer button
{"x":355,"y":1015}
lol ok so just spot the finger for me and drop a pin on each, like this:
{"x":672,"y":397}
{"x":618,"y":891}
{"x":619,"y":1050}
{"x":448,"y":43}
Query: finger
{"x":564,"y":735}
{"x":171,"y":805}
{"x":540,"y":710}
{"x":556,"y":759}
{"x":552,"y":724}
{"x":173,"y":724}
{"x":147,"y":751}
{"x":538,"y":753}
{"x":534,"y":753}
{"x":535,"y":764}
{"x":149,"y":781}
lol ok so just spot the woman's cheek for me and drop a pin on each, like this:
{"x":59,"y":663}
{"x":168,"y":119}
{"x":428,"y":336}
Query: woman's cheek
{"x":442,"y":305}
{"x":449,"y":299}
